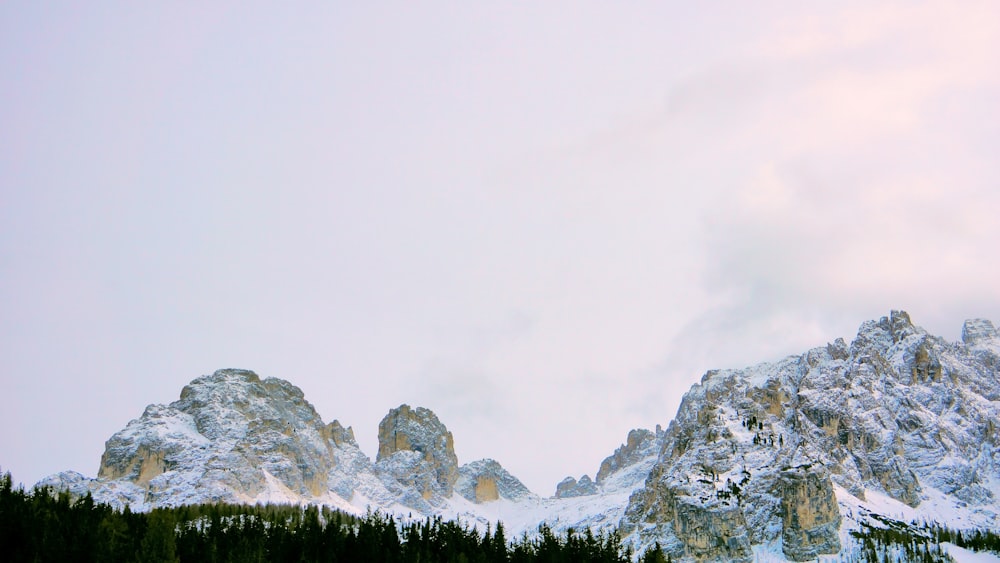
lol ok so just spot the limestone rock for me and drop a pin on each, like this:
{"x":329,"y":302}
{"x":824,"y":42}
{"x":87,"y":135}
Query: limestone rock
{"x":233,"y":437}
{"x":712,"y":533}
{"x":230,"y":437}
{"x":623,"y":471}
{"x":418,"y":451}
{"x":570,"y":487}
{"x":975,"y":331}
{"x":486,"y":480}
{"x":637,"y":446}
{"x":689,"y":520}
{"x":898,"y":411}
{"x":339,"y":435}
{"x":810,"y":523}
{"x":230,"y":429}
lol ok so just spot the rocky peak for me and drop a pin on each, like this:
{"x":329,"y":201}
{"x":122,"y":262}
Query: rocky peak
{"x":637,"y":445}
{"x":759,"y":455}
{"x":234,"y":437}
{"x":881,"y":334}
{"x":975,"y":331}
{"x":418,"y":450}
{"x":900,"y":325}
{"x":899,"y":412}
{"x":231,"y":429}
{"x":340,"y":435}
{"x":485,"y":480}
{"x":570,"y":487}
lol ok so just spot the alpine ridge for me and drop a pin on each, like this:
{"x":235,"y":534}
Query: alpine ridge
{"x":777,"y":461}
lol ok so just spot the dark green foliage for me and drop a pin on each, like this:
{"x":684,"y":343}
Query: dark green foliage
{"x":159,"y":543}
{"x":47,"y":526}
{"x":42,"y":525}
{"x":976,"y":540}
{"x":655,"y":555}
{"x":918,"y":541}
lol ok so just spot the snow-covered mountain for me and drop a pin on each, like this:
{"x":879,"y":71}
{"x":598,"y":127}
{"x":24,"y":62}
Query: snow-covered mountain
{"x":777,"y":461}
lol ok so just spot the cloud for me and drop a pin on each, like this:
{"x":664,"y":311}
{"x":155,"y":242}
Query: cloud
{"x":843,"y":175}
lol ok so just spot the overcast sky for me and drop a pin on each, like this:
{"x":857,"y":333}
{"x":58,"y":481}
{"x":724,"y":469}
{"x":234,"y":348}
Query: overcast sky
{"x":542,"y":220}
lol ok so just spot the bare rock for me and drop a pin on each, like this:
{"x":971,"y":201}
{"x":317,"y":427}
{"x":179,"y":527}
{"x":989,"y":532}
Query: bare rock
{"x":637,"y":446}
{"x":810,"y":517}
{"x":975,"y":331}
{"x":570,"y":487}
{"x":485,"y":480}
{"x":416,"y":448}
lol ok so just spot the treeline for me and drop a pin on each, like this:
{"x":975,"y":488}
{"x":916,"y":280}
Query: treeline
{"x":44,"y":525}
{"x":976,"y":540}
{"x":893,"y":540}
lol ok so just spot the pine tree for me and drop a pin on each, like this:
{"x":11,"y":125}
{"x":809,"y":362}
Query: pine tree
{"x":159,"y":543}
{"x":654,"y":555}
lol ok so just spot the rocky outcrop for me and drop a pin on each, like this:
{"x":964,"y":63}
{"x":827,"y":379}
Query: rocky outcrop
{"x":639,"y":444}
{"x":230,"y":429}
{"x":485,"y":480}
{"x":233,"y":437}
{"x":418,"y":451}
{"x":688,"y":520}
{"x":897,"y":411}
{"x":810,"y":523}
{"x":711,"y":533}
{"x":623,"y":471}
{"x":570,"y":487}
{"x":976,"y":331}
{"x":339,"y":435}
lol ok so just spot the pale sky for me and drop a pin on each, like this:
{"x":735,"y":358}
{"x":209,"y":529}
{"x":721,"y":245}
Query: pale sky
{"x":544,"y":221}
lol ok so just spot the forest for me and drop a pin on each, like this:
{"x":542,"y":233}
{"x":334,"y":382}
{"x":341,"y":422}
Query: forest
{"x":893,"y":540}
{"x":45,"y":525}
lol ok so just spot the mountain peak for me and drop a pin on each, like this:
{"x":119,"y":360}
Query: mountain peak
{"x":794,"y":453}
{"x":976,"y":331}
{"x":759,"y":453}
{"x":417,"y":449}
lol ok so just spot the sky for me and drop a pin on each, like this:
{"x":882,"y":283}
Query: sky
{"x":542,"y":220}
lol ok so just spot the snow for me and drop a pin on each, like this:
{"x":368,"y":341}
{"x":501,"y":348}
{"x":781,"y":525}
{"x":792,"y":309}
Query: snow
{"x":898,"y":414}
{"x":962,"y":555}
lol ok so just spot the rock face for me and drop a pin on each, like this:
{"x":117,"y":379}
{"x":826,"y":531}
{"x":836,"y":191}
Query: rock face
{"x":716,"y":533}
{"x":623,"y":471}
{"x":975,"y":331}
{"x":762,"y":449}
{"x":233,"y":437}
{"x":230,"y":429}
{"x":570,"y":487}
{"x":639,"y":444}
{"x":485,"y":481}
{"x":810,"y":519}
{"x":418,"y":451}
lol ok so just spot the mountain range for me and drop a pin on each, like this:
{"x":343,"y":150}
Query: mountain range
{"x":777,"y":461}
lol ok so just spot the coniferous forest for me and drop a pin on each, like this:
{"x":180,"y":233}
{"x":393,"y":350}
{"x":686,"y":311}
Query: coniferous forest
{"x":893,"y":540}
{"x":44,"y":525}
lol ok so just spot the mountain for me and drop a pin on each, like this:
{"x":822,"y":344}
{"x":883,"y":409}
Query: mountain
{"x":780,"y":461}
{"x":232,"y":437}
{"x":793,"y":454}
